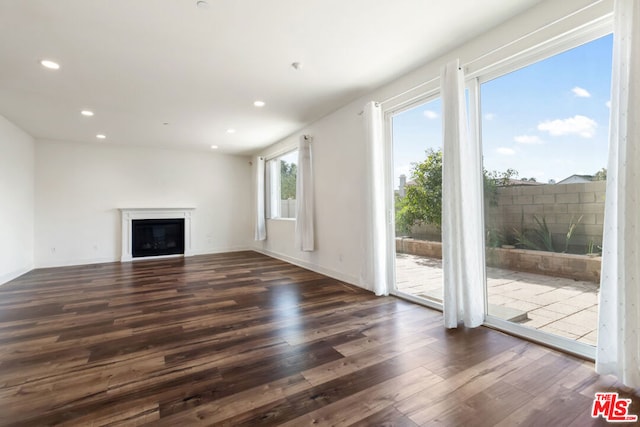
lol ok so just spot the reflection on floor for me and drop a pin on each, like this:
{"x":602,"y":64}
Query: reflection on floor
{"x":559,"y":306}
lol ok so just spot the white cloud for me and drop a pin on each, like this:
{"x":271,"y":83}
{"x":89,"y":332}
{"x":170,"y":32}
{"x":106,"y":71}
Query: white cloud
{"x":608,"y":104}
{"x":506,"y":151}
{"x":431,"y":115}
{"x":489,"y":116}
{"x":528,"y":139}
{"x":581,"y":92}
{"x":576,"y":125}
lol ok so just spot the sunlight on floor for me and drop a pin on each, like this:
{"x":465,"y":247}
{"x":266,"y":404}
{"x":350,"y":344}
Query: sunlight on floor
{"x":556,"y":305}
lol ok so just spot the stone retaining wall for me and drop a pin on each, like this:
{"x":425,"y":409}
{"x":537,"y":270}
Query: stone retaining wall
{"x":425,"y":248}
{"x":577,"y":267}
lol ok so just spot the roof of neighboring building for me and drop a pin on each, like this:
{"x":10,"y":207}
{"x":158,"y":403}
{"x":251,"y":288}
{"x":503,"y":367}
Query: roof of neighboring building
{"x":576,"y":178}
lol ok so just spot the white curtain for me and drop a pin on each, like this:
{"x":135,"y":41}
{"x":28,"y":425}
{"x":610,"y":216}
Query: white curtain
{"x":304,"y":237}
{"x":618,"y":350}
{"x":261,"y":229}
{"x":462,"y":228}
{"x":375,"y":224}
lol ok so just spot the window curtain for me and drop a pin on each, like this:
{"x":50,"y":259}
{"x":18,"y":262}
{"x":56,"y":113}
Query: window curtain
{"x":304,"y":236}
{"x":618,"y":350}
{"x":375,"y":227}
{"x":462,"y":228}
{"x":261,"y":229}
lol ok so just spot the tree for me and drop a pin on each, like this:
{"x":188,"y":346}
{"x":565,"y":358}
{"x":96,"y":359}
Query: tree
{"x":288,"y":173}
{"x":422,"y":202}
{"x":493,"y":180}
{"x":601,"y":175}
{"x":423,"y":198}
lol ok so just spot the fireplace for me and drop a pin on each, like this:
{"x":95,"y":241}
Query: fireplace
{"x":155,"y":237}
{"x":155,"y":232}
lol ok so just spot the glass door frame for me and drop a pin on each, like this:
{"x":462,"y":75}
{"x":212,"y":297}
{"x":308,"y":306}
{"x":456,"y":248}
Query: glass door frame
{"x":415,"y":101}
{"x":555,"y":341}
{"x":474,"y":80}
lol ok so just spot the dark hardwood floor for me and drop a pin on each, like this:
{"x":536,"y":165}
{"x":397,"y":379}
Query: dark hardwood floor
{"x":244,"y":339}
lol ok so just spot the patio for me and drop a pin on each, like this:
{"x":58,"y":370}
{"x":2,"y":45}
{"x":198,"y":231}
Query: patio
{"x":559,"y":306}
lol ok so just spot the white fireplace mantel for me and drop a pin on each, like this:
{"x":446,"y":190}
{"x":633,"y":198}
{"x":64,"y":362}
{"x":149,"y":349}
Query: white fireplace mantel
{"x":129,"y":214}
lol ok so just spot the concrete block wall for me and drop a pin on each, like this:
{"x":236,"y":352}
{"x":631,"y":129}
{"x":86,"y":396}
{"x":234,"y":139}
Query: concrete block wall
{"x":559,"y":205}
{"x":424,"y":232}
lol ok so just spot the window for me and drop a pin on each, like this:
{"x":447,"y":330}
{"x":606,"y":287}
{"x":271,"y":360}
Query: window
{"x":281,"y":185}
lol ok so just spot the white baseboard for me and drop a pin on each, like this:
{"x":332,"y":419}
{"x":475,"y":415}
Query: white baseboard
{"x":221,"y":250}
{"x":73,"y":262}
{"x":313,"y":267}
{"x":4,"y":278}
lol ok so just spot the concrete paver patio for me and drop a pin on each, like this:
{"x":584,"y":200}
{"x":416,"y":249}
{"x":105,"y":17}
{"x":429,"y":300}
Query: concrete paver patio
{"x":559,"y":306}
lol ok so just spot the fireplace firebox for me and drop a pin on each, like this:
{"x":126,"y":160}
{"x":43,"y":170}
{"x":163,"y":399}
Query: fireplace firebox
{"x":156,"y":237}
{"x":129,"y":215}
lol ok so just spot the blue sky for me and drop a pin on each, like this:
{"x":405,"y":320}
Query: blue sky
{"x":548,"y":120}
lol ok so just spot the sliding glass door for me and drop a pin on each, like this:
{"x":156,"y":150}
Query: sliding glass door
{"x":417,"y":176}
{"x":545,"y":140}
{"x":543,"y":127}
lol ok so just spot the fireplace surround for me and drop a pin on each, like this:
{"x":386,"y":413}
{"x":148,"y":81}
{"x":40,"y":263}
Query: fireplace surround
{"x":149,"y":217}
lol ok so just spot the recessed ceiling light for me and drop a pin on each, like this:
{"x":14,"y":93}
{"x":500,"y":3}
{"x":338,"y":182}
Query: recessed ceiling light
{"x":259,"y":103}
{"x":231,"y":131}
{"x":101,"y":136}
{"x":214,"y":147}
{"x":50,"y":64}
{"x":87,"y":113}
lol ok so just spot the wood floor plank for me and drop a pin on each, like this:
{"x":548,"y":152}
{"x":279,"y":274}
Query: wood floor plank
{"x":359,"y":406}
{"x":350,"y":364}
{"x":243,"y":339}
{"x":388,"y":417}
{"x":447,"y":395}
{"x":223,"y":408}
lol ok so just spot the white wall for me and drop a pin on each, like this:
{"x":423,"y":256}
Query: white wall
{"x":16,"y":201}
{"x":339,"y":146}
{"x":339,"y":166}
{"x":79,"y":188}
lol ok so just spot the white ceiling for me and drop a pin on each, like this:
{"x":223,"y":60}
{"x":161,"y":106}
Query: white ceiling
{"x":140,"y":63}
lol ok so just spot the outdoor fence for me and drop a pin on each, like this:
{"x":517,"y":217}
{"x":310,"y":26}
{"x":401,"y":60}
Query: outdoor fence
{"x":559,"y":205}
{"x":288,"y":208}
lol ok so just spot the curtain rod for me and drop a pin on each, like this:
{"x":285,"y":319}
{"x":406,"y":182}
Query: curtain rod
{"x":286,"y":148}
{"x":537,"y":30}
{"x":493,"y":51}
{"x":433,"y":80}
